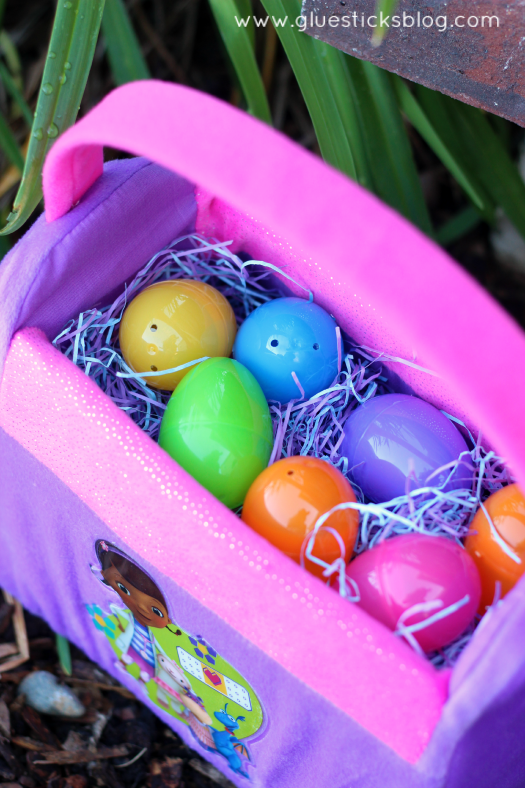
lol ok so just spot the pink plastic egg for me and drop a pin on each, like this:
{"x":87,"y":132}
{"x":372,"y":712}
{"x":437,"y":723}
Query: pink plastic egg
{"x":430,"y":572}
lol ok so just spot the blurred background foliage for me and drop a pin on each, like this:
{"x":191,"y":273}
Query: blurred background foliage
{"x":449,"y":168}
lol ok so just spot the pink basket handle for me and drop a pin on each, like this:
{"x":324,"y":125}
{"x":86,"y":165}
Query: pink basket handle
{"x":462,"y":334}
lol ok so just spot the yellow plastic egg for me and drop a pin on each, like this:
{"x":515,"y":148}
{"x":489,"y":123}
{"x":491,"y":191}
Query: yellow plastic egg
{"x":171,"y":323}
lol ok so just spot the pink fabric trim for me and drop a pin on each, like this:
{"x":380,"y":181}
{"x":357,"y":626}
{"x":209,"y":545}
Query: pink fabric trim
{"x":361,"y":320}
{"x":163,"y":514}
{"x":351,"y":237}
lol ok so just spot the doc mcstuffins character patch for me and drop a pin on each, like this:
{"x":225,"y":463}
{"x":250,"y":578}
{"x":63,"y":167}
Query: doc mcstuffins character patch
{"x":181,"y":673}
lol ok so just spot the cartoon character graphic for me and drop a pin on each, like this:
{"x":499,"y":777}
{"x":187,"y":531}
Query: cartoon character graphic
{"x":227,"y":743}
{"x":146,"y":610}
{"x":175,"y":686}
{"x":179,"y":672}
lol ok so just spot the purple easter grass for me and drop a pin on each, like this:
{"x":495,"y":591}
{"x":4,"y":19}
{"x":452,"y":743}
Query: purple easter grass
{"x":314,"y":427}
{"x":91,"y":339}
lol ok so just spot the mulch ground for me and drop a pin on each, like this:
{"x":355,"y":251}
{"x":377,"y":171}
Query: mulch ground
{"x":119,"y":742}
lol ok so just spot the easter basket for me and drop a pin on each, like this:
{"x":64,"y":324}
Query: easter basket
{"x":307,"y":688}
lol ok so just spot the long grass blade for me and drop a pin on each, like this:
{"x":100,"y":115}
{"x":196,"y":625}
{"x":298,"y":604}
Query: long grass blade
{"x":9,"y":145}
{"x":497,"y":171}
{"x":452,"y":159}
{"x":315,"y":64}
{"x":458,"y":226}
{"x":5,"y":246}
{"x":390,"y":153}
{"x":123,"y":48}
{"x":245,"y":9}
{"x":64,"y":655}
{"x":482,"y":151}
{"x":355,"y":116}
{"x":10,"y":52}
{"x":346,"y":94}
{"x":240,"y":50}
{"x":384,"y":8}
{"x":503,"y":129}
{"x":16,"y":94}
{"x":441,"y":112}
{"x":73,"y":39}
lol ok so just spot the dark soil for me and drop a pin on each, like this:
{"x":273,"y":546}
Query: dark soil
{"x":114,"y":719}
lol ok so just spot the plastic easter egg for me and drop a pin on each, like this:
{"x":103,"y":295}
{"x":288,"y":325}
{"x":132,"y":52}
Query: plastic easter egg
{"x":415,"y":569}
{"x":286,"y":500}
{"x":498,"y":550}
{"x":394,"y":435}
{"x":284,"y":336}
{"x":171,"y":323}
{"x":217,"y":426}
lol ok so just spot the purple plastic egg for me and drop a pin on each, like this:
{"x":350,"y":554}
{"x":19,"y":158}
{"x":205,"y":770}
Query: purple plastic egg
{"x":394,"y":435}
{"x":431,"y":572}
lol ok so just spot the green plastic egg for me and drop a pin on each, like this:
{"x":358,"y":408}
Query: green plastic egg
{"x":217,"y":426}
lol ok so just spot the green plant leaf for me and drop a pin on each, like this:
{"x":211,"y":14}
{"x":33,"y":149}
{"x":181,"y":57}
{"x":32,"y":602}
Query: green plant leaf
{"x":458,"y":225}
{"x":442,"y":113}
{"x":384,"y":8}
{"x":316,"y":65}
{"x":5,"y":246}
{"x":6,"y":242}
{"x":452,"y":159}
{"x":123,"y":48}
{"x":482,"y":152}
{"x":470,"y":135}
{"x":346,"y":92}
{"x":503,"y":129}
{"x":9,"y":145}
{"x":240,"y":49}
{"x":390,"y":154}
{"x":73,"y":39}
{"x":244,"y":7}
{"x":16,"y":94}
{"x":355,"y":116}
{"x":64,"y":655}
{"x":11,"y":55}
{"x":490,"y":159}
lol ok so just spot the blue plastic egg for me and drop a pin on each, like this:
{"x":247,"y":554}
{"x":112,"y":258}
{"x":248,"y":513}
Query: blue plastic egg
{"x":284,"y":336}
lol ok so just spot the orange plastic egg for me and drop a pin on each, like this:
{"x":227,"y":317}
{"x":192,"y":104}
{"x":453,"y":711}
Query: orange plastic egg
{"x":499,"y":549}
{"x":171,"y":323}
{"x":286,"y":500}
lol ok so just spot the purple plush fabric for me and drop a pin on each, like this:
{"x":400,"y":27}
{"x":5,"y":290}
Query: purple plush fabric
{"x":306,"y":741}
{"x":156,"y":199}
{"x":47,"y":534}
{"x":492,"y":753}
{"x":479,"y":738}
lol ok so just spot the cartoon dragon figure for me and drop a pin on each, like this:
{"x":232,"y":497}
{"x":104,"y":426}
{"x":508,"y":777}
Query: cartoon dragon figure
{"x":227,"y":744}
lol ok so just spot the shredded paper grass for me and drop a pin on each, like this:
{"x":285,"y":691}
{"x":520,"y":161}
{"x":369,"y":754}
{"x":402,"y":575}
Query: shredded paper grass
{"x":312,"y":427}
